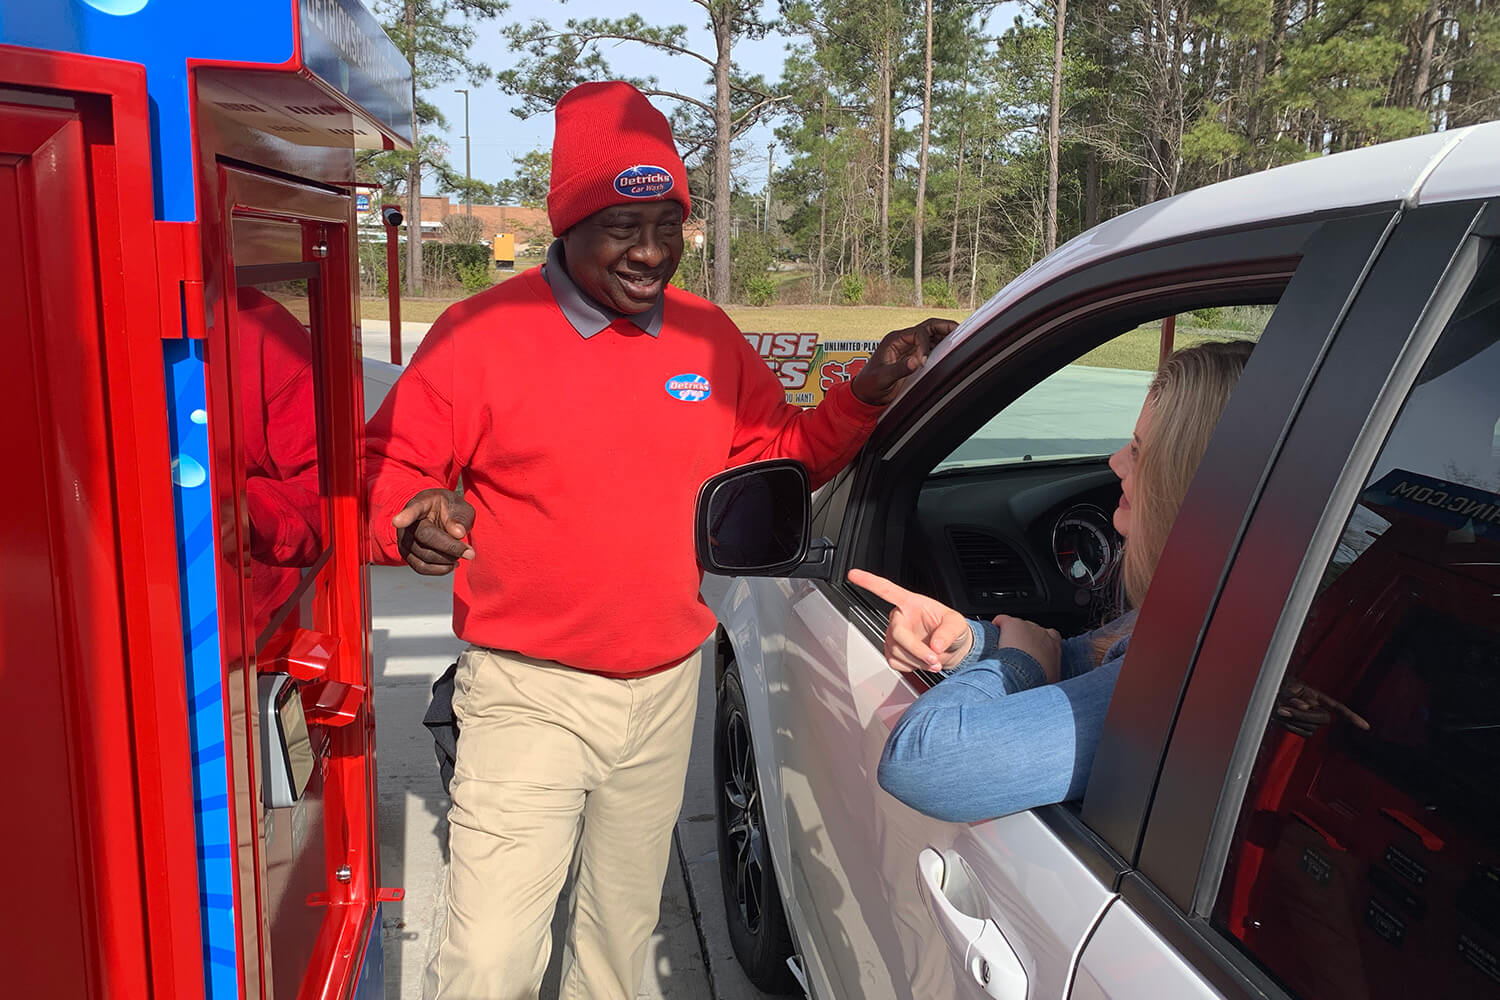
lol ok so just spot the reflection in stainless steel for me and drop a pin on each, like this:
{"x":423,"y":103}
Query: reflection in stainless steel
{"x":283,"y":538}
{"x":279,"y":442}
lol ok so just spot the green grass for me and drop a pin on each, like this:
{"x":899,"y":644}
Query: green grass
{"x":830,"y":322}
{"x":834,"y":322}
{"x":412,"y":310}
{"x":1140,"y":348}
{"x":1137,"y":349}
{"x":428,"y":309}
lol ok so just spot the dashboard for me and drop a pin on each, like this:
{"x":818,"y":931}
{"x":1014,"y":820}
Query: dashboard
{"x":1032,"y":540}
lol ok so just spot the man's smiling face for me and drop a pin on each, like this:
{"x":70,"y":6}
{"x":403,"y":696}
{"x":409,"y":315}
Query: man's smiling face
{"x":622,"y":256}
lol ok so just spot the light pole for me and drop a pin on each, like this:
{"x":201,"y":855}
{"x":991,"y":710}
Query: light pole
{"x":770,"y":172}
{"x":468,"y":181}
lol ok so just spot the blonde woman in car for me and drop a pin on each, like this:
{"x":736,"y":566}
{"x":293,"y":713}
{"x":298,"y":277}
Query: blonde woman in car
{"x":1017,"y":721}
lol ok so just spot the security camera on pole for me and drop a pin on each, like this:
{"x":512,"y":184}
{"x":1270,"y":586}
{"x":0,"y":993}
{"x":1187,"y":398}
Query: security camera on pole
{"x":391,"y":216}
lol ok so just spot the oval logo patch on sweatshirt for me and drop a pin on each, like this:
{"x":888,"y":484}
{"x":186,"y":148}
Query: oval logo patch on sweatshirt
{"x":689,"y":388}
{"x":644,"y":181}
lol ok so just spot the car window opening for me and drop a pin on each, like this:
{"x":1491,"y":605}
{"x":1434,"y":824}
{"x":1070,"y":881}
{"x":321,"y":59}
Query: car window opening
{"x":1029,"y":544}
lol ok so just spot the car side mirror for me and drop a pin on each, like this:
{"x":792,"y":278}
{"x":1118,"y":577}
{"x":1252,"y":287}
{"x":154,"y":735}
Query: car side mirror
{"x":754,"y":521}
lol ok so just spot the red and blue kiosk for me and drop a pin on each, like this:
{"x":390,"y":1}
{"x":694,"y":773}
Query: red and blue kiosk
{"x":185,"y":723}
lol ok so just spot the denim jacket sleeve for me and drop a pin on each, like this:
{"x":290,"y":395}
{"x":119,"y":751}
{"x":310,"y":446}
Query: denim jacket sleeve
{"x":994,"y":738}
{"x":1077,"y":655}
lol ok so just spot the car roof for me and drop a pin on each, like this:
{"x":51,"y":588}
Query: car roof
{"x":1426,"y":169}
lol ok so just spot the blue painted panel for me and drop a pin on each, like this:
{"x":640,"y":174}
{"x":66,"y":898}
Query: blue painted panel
{"x":192,"y":494}
{"x":161,"y":35}
{"x":369,"y":984}
{"x":343,"y":44}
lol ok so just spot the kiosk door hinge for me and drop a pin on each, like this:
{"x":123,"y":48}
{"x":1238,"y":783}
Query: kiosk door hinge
{"x":179,"y":255}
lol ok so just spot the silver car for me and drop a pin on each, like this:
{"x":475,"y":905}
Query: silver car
{"x":1343,"y":529}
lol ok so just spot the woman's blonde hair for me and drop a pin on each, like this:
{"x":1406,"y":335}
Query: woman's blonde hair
{"x":1186,"y":398}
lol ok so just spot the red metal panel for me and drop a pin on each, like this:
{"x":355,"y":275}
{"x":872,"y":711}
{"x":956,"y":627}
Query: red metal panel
{"x":338,"y":604}
{"x":80,"y":724}
{"x":179,"y":256}
{"x":120,"y":812}
{"x":40,"y":861}
{"x":120,"y":556}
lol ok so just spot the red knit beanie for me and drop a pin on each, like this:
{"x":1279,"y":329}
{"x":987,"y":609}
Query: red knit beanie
{"x":611,"y":146}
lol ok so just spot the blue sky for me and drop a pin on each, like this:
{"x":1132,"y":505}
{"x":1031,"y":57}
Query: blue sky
{"x":497,"y":135}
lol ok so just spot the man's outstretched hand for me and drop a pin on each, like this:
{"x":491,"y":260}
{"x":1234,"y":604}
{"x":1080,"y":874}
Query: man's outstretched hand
{"x":898,"y":355}
{"x":432,"y":531}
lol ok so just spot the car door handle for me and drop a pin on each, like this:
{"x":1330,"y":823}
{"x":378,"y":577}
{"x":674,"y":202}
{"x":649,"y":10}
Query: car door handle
{"x":961,"y":909}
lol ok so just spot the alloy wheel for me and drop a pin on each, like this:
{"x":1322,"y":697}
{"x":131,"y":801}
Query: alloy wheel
{"x":743,"y":820}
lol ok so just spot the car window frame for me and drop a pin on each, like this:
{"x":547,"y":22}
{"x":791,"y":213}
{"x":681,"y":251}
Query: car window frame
{"x":1315,"y":248}
{"x":1352,"y":402}
{"x":1211,"y":523}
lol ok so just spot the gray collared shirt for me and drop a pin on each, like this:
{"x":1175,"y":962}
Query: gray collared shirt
{"x":583,"y":313}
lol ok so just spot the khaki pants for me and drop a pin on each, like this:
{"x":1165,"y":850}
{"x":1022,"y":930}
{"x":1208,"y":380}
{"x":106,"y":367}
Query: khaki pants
{"x":546,"y":756}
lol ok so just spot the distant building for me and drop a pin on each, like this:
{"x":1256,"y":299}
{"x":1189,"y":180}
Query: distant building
{"x":529,"y":225}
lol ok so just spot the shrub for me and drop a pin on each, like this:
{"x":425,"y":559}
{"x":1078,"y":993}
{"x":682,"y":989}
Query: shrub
{"x":1208,"y":316}
{"x":460,"y":228}
{"x":749,"y":258}
{"x":851,"y":289}
{"x":760,"y":290}
{"x":474,"y":277}
{"x":448,"y":258}
{"x":935,"y":292}
{"x":443,"y":267}
{"x":1249,"y":320}
{"x":689,"y":274}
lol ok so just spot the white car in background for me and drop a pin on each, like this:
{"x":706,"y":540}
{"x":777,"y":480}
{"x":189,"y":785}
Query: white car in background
{"x":1343,"y":528}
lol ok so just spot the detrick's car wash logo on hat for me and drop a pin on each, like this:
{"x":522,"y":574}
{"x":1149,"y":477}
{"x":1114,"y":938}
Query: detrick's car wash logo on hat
{"x":644,"y":181}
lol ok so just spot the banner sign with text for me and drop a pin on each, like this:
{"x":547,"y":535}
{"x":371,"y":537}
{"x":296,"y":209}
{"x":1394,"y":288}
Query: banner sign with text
{"x":807,"y":367}
{"x":1457,"y":506}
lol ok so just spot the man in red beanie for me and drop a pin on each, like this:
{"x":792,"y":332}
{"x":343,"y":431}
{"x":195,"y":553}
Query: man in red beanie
{"x":581,"y":404}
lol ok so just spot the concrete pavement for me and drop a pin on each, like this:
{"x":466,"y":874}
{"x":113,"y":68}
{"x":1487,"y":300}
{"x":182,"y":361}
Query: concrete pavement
{"x":375,"y":338}
{"x":1078,"y":410}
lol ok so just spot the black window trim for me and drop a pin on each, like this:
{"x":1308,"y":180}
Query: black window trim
{"x":1174,"y":837}
{"x":1188,"y":928}
{"x":1279,"y":271}
{"x":900,"y":442}
{"x":881,"y":453}
{"x":1143,"y":710}
{"x":1341,"y":502}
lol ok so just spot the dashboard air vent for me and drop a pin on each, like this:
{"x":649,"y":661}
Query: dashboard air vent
{"x":992,"y":570}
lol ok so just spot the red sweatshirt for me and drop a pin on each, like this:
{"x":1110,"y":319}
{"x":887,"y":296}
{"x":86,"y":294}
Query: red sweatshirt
{"x":583,"y":464}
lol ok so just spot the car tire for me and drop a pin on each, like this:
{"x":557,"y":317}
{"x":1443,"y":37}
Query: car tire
{"x":758,"y":929}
